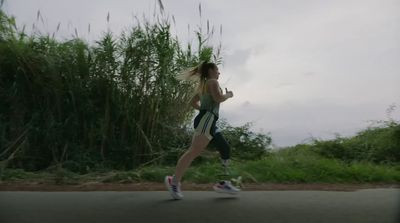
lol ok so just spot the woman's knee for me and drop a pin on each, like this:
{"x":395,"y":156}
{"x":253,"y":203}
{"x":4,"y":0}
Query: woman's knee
{"x":195,"y":151}
{"x":199,"y":143}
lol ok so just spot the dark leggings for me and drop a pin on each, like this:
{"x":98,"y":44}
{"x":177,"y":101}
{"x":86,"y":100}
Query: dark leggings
{"x":218,"y":139}
{"x":222,"y":145}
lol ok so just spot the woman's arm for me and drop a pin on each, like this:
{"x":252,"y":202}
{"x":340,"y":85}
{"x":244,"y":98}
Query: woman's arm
{"x":194,"y":102}
{"x":215,"y":92}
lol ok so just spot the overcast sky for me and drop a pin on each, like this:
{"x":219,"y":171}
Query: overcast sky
{"x":298,"y":69}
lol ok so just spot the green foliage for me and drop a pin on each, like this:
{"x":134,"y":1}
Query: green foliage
{"x":308,"y":167}
{"x":15,"y":174}
{"x":284,"y":166}
{"x":246,"y":144}
{"x":205,"y":173}
{"x":115,"y":104}
{"x":380,"y":144}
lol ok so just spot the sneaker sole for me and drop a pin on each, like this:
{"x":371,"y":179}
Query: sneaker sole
{"x":173,"y":195}
{"x":216,"y":189}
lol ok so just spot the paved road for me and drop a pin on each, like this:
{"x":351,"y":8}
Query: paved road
{"x":372,"y":205}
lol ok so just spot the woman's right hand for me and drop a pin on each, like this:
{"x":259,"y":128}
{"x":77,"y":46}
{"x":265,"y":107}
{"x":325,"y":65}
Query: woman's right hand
{"x":228,"y":93}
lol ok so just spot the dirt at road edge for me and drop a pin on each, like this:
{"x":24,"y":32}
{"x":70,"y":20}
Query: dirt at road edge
{"x":149,"y":186}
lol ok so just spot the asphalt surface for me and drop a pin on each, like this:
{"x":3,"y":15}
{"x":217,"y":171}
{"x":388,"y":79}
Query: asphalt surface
{"x":371,"y":205}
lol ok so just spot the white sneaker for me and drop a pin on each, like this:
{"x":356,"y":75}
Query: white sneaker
{"x":225,"y":187}
{"x":174,"y":189}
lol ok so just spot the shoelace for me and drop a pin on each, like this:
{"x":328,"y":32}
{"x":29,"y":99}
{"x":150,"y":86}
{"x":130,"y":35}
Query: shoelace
{"x":229,"y":185}
{"x":174,"y":188}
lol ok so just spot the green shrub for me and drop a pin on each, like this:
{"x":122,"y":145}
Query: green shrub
{"x":245,"y":143}
{"x":376,"y":144}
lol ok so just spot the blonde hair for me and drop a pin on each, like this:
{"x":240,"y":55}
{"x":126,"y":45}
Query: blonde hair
{"x":197,"y":74}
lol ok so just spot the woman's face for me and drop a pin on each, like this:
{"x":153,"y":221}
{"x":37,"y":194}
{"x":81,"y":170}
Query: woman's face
{"x":214,"y":73}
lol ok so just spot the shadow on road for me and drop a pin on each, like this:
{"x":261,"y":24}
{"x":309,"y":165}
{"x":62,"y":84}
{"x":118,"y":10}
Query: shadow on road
{"x":225,"y":199}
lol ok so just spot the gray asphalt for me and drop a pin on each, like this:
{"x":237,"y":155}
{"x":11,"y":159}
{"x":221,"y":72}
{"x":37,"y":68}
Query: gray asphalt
{"x":372,"y":205}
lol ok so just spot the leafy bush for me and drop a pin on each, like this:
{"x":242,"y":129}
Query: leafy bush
{"x":245,"y":143}
{"x":380,"y":144}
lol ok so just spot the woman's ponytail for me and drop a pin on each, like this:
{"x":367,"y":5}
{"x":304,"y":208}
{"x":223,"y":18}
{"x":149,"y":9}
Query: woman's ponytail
{"x":191,"y":74}
{"x":197,"y":74}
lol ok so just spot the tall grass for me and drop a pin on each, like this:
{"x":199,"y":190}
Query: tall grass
{"x":112,"y":104}
{"x":279,"y":167}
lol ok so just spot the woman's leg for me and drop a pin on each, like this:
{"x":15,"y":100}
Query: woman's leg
{"x":199,"y":143}
{"x":222,"y":146}
{"x":224,"y":150}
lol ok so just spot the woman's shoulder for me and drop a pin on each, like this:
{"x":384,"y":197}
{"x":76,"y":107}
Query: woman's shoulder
{"x":212,"y":85}
{"x":211,"y":82}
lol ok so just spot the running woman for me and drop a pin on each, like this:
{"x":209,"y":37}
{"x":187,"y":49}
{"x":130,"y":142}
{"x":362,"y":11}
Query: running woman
{"x":207,"y":99}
